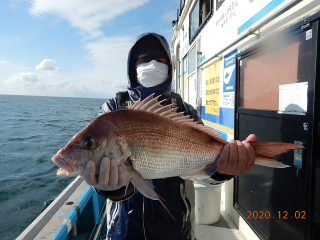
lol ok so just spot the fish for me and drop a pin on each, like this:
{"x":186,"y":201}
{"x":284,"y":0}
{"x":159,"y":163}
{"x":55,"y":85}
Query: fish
{"x":152,"y":141}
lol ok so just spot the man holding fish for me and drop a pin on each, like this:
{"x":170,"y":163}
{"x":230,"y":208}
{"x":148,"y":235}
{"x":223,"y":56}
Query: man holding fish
{"x":146,"y":143}
{"x":130,"y":215}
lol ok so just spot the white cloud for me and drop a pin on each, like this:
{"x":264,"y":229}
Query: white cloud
{"x":110,"y":56}
{"x":34,"y":84}
{"x":169,"y":16}
{"x":23,"y":79}
{"x":88,"y":16}
{"x":109,"y":74}
{"x":65,"y":87}
{"x":108,"y":51}
{"x":120,"y":84}
{"x":47,"y":65}
{"x":111,"y":84}
{"x":101,"y":80}
{"x":136,"y":29}
{"x":4,"y":62}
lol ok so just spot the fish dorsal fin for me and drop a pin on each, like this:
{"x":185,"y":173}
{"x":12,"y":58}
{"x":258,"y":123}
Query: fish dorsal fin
{"x":135,"y":104}
{"x":139,"y":104}
{"x":150,"y":104}
{"x":173,"y":115}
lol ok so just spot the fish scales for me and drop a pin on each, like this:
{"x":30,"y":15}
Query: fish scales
{"x":137,"y":121}
{"x":161,"y":147}
{"x":153,"y":161}
{"x":173,"y":157}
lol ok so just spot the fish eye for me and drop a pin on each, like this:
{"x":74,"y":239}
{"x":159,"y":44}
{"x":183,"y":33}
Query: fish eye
{"x":89,"y":144}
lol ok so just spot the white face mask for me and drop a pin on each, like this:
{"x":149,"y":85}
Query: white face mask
{"x":152,"y":73}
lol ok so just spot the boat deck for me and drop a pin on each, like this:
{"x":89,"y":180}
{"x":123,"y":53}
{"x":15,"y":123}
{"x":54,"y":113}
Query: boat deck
{"x":223,"y":229}
{"x":79,"y":213}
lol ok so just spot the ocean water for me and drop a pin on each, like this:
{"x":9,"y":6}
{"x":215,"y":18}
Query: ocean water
{"x":27,"y":185}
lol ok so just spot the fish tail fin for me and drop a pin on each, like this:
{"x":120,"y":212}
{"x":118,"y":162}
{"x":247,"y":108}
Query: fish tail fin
{"x":266,"y":151}
{"x":142,"y":185}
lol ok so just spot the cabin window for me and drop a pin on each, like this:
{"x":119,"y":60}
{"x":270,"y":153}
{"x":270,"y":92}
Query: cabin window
{"x":200,"y":13}
{"x":185,"y":34}
{"x":272,"y":79}
{"x":178,"y":68}
{"x":192,"y":60}
{"x":219,"y":3}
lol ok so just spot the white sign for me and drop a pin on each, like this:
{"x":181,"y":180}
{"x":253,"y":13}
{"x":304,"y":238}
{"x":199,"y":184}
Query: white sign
{"x":228,"y":14}
{"x":293,"y":98}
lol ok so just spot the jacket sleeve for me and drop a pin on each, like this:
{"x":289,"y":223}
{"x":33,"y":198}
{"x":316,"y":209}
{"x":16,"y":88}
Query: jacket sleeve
{"x":119,"y":194}
{"x":189,"y":110}
{"x":109,"y":106}
{"x":216,"y":178}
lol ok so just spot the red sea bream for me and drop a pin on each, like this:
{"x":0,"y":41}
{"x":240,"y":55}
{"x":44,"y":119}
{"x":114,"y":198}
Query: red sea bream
{"x":151,"y":141}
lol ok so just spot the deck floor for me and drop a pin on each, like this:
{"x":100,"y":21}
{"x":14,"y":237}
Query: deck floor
{"x":218,"y":231}
{"x":222,"y":230}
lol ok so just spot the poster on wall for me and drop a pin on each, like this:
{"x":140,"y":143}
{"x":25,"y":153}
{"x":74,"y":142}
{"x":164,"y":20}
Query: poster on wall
{"x":213,"y":88}
{"x":193,"y":90}
{"x":185,"y":80}
{"x":185,"y":76}
{"x":185,"y":73}
{"x":229,"y":77}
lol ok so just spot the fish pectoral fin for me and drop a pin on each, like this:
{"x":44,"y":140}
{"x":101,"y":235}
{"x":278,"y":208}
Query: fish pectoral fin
{"x":141,"y":184}
{"x":204,"y":172}
{"x":125,"y":191}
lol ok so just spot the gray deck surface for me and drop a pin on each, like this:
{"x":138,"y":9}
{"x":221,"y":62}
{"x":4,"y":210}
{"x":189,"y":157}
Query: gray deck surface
{"x":216,"y":231}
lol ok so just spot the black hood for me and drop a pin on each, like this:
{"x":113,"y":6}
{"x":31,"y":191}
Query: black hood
{"x":137,"y":91}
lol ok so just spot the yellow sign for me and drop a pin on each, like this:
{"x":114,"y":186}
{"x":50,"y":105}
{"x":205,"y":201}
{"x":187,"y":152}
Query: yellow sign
{"x":185,"y":80}
{"x":213,"y":88}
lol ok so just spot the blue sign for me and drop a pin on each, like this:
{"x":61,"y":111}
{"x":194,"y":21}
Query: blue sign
{"x":229,"y":75}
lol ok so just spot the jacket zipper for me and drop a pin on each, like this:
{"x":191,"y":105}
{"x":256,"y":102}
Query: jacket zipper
{"x":184,"y":198}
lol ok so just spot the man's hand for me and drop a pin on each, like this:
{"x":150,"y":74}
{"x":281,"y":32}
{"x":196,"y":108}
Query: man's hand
{"x":111,"y":176}
{"x":237,"y":157}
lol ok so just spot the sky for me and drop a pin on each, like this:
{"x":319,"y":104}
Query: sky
{"x":74,"y":48}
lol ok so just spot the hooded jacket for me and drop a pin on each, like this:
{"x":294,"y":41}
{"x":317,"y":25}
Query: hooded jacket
{"x":137,"y":91}
{"x":133,"y":216}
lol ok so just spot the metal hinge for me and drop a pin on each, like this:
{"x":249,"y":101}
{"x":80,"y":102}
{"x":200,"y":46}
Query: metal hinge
{"x":306,"y":26}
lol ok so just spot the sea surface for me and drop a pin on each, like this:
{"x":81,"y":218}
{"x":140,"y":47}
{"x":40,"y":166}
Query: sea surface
{"x":29,"y":185}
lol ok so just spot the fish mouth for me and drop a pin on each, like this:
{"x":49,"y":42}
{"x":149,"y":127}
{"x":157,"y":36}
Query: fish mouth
{"x":67,"y":168}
